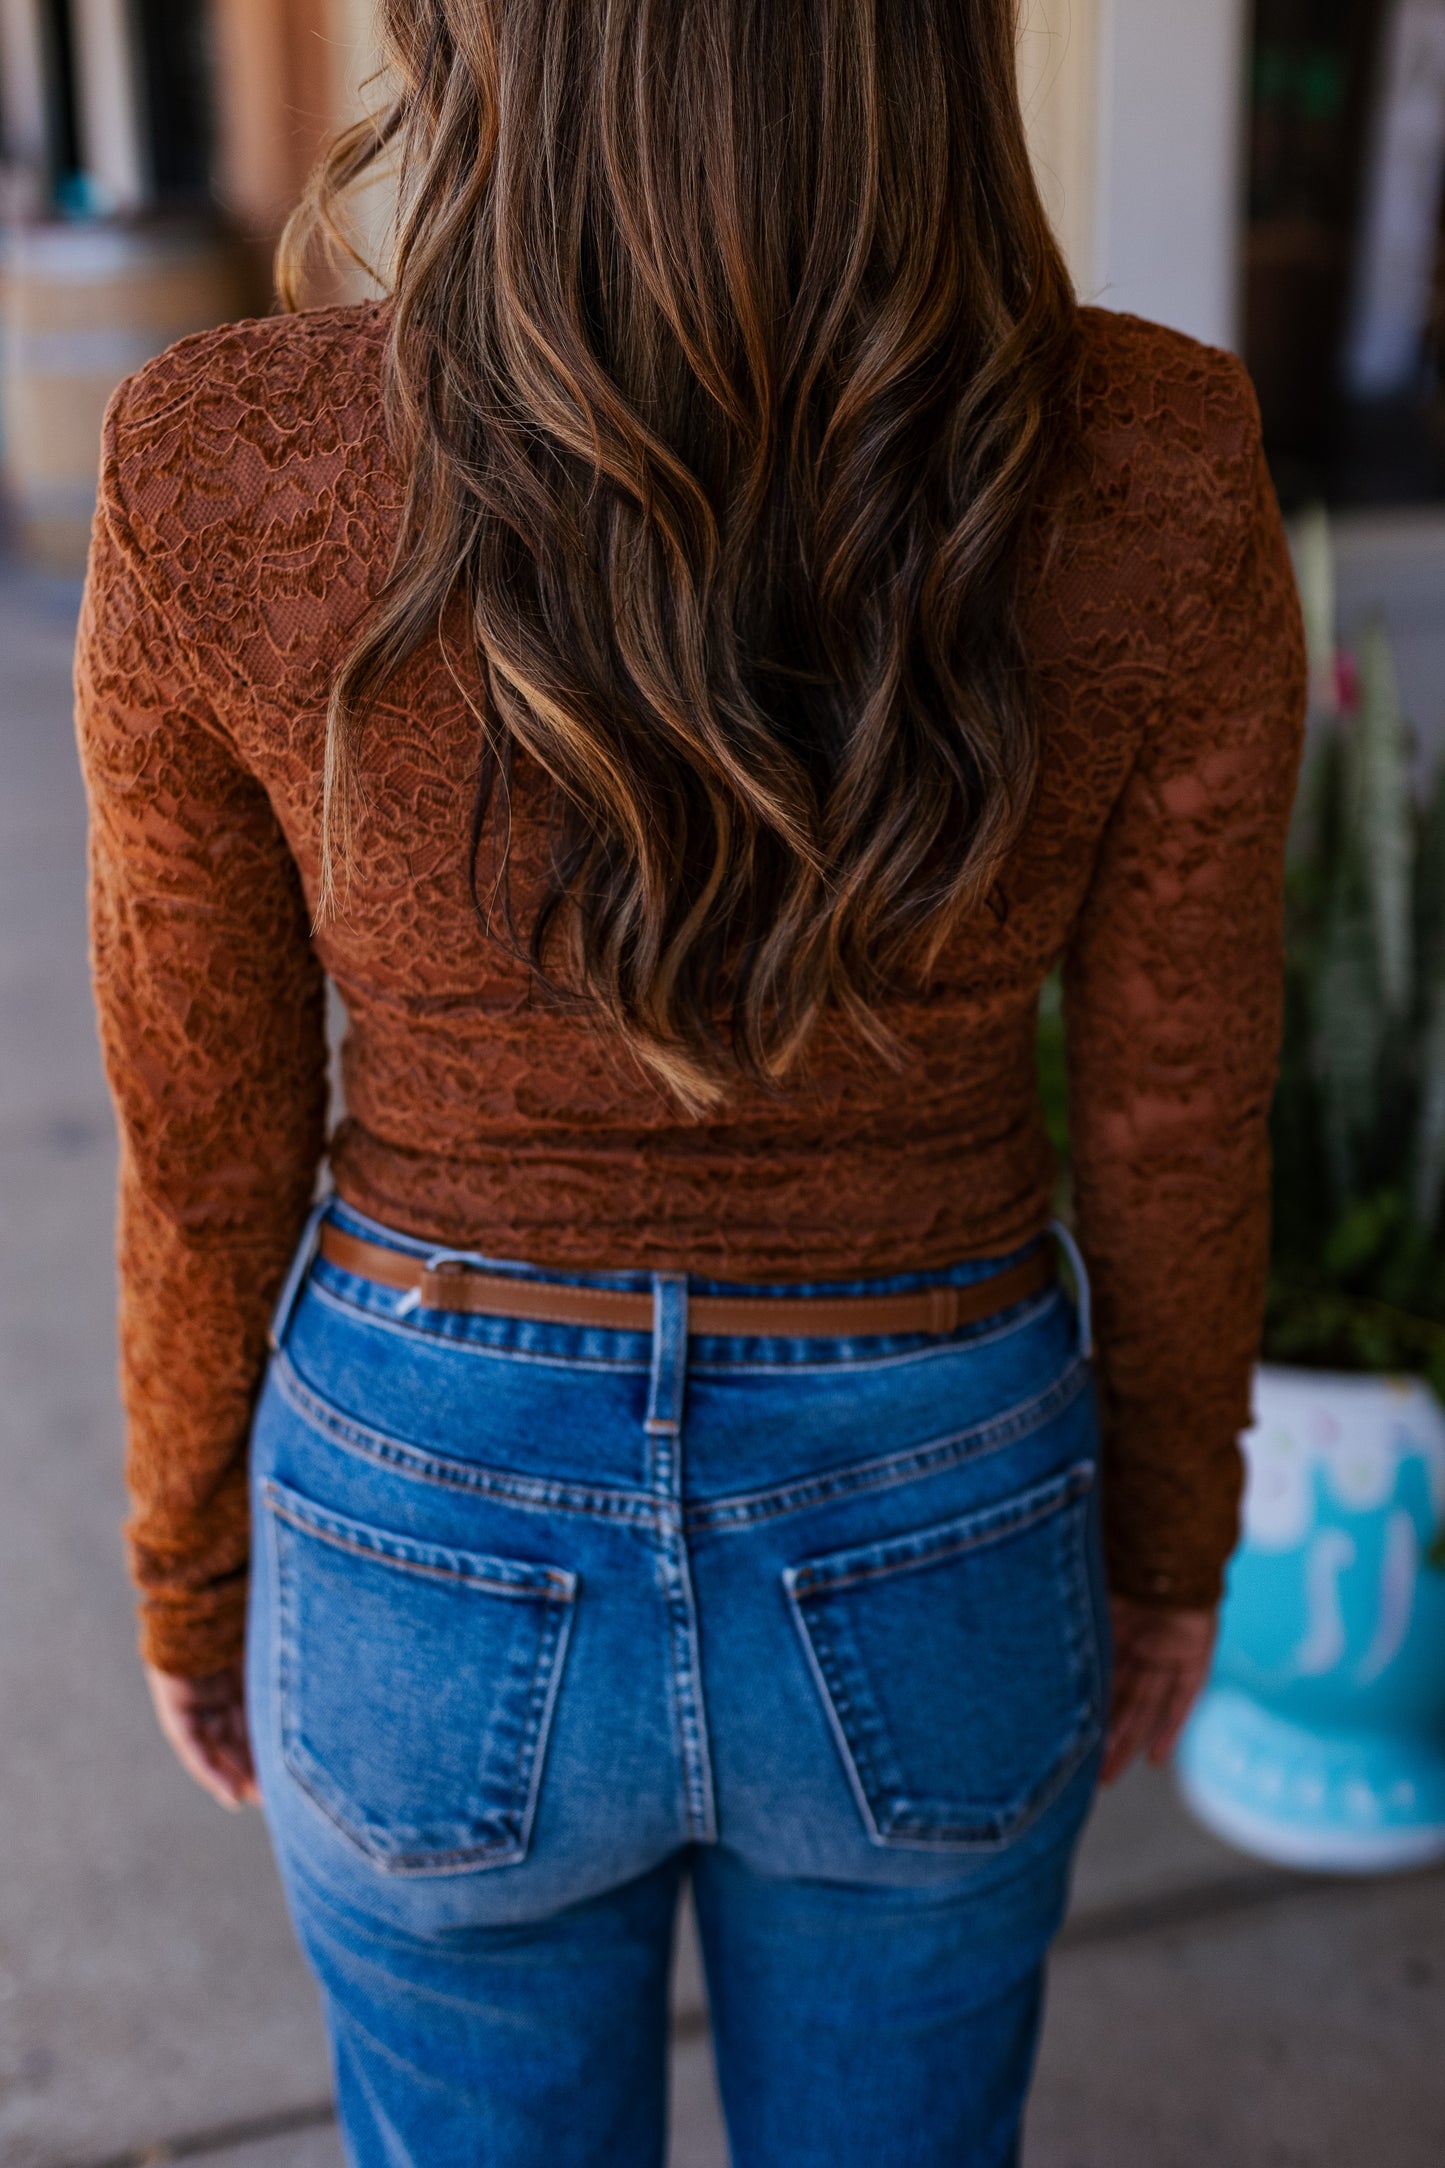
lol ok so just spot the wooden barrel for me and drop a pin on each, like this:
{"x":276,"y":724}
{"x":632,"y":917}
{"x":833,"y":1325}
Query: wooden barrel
{"x":81,"y":307}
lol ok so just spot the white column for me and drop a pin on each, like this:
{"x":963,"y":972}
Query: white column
{"x":1059,"y":84}
{"x":357,"y":58}
{"x":1171,"y":171}
{"x":107,"y":95}
{"x":1399,"y":230}
{"x":22,"y":82}
{"x":353,"y":31}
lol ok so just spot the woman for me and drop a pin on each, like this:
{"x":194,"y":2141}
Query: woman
{"x":687,"y":667}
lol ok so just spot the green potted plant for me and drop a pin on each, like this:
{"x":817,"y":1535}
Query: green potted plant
{"x":1321,"y":1740}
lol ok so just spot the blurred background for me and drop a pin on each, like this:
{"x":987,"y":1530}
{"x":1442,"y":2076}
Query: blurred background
{"x":1265,"y":177}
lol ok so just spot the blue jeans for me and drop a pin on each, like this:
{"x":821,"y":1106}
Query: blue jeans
{"x":544,"y":1618}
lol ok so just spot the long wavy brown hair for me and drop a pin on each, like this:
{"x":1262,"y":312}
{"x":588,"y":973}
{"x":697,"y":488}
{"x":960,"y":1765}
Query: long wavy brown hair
{"x":729,"y":354}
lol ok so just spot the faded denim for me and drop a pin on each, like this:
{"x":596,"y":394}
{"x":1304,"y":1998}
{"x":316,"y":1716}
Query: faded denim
{"x":545,"y":1618}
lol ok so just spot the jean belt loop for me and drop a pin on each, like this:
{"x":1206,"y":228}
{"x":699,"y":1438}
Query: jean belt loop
{"x":1082,"y":1294}
{"x":433,"y":1262}
{"x":669,"y":1352}
{"x":300,"y":1263}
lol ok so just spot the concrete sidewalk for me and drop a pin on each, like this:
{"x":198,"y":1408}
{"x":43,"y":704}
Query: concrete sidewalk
{"x":1205,"y":2012}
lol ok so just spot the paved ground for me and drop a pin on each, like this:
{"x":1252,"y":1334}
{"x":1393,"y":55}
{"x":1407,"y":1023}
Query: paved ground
{"x":1205,"y":2013}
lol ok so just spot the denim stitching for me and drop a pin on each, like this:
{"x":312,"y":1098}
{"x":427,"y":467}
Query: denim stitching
{"x":546,"y":1664}
{"x":503,"y":1851}
{"x":902,"y":1554}
{"x":1004,"y":1826}
{"x":725,"y":1516}
{"x":531,"y":1493}
{"x":1091,"y":1668}
{"x":293,"y":1746}
{"x":859,"y":1729}
{"x":285,"y":1663}
{"x":551,"y":1661}
{"x":662,"y":1428}
{"x":667,"y":1380}
{"x":1007,"y":1823}
{"x":867,"y":1733}
{"x":836,"y":1705}
{"x":545,"y":1584}
{"x":743,"y":1511}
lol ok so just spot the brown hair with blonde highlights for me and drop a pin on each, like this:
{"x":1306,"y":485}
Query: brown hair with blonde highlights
{"x":729,"y":354}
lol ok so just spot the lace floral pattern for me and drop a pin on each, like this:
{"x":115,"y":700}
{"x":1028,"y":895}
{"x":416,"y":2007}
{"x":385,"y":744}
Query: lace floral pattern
{"x":247,"y":509}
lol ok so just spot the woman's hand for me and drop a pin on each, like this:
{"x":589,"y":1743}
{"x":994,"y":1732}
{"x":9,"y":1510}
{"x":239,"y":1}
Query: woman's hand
{"x":205,"y":1722}
{"x":1161,"y":1659}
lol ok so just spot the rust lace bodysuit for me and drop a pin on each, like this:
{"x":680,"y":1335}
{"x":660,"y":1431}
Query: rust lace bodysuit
{"x":246,"y":513}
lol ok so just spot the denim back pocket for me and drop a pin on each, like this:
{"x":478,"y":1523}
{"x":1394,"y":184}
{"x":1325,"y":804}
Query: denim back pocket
{"x":959,"y":1665}
{"x":416,"y":1685}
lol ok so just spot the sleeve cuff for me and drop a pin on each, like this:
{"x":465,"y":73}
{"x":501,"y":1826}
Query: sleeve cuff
{"x":194,"y":1635}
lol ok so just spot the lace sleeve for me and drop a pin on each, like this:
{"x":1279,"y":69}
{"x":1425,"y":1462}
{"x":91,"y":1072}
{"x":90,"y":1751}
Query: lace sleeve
{"x":212,"y":1033}
{"x":1172,"y":1005}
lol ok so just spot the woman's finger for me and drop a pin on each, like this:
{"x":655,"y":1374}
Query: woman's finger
{"x":204,"y":1722}
{"x":202,"y":1759}
{"x":1124,"y":1694}
{"x":1134,"y":1718}
{"x":1175,"y":1716}
{"x":1162,"y":1657}
{"x":224,"y":1744}
{"x":238,"y":1765}
{"x":228,"y":1756}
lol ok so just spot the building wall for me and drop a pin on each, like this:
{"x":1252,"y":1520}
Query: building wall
{"x":359,"y":89}
{"x":1059,"y":71}
{"x":276,"y":99}
{"x":107,"y":94}
{"x":1170,"y":176}
{"x":1135,"y":116}
{"x":22,"y":107}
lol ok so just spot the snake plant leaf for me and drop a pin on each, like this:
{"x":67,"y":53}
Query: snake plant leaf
{"x":1428,"y":1173}
{"x":1314,"y":569}
{"x":1430,"y":888}
{"x":1349,"y":1032}
{"x":1380,"y":796}
{"x":1427,"y":1185}
{"x":1302,"y":845}
{"x":1312,"y":550}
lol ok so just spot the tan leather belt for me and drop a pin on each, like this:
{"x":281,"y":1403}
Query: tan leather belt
{"x":454,"y":1285}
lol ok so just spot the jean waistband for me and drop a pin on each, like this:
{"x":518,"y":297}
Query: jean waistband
{"x":669,"y":1290}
